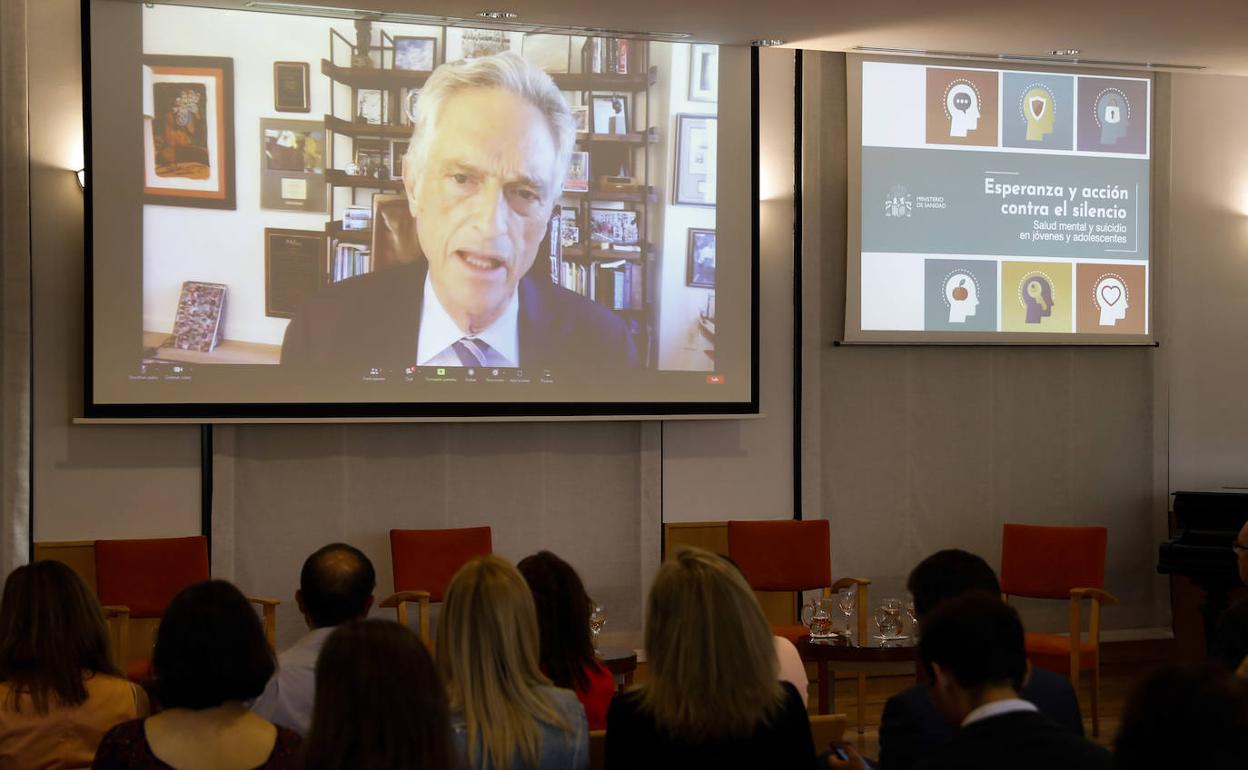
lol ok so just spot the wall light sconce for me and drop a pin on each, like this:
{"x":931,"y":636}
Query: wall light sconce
{"x":82,"y":178}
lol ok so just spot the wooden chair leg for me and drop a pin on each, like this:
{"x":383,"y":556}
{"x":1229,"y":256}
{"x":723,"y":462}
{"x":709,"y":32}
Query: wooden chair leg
{"x":862,"y":703}
{"x":1096,"y":697}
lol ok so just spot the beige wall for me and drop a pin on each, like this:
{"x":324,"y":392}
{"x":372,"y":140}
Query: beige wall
{"x":1208,"y":318}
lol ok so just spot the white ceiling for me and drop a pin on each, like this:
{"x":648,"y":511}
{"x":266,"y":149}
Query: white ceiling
{"x":1211,"y":33}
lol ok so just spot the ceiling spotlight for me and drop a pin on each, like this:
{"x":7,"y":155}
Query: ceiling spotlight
{"x":498,"y":15}
{"x":1065,"y":52}
{"x":766,"y":42}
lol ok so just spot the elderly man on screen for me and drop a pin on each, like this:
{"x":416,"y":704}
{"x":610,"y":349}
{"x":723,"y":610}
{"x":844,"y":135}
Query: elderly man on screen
{"x":485,"y":166}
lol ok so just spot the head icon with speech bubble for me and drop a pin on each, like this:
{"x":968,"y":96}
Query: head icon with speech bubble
{"x":1111,"y":297}
{"x":962,"y":104}
{"x":1038,"y":108}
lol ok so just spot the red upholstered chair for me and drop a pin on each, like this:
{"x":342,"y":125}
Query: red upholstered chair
{"x":1068,"y":564}
{"x":788,"y":555}
{"x":136,"y":580}
{"x":425,"y":560}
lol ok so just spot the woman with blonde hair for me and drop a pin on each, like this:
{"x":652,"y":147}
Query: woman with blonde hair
{"x":714,"y":697}
{"x":504,"y":711}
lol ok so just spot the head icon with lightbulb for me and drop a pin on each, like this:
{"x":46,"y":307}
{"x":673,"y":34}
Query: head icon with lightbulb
{"x":962,"y":107}
{"x":1111,"y":297}
{"x":1113,"y":115}
{"x":961,"y":295}
{"x":1036,"y":293}
{"x":1038,"y":110}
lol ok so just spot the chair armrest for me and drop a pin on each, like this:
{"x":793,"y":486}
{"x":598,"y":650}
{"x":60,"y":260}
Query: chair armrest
{"x":263,"y":601}
{"x":401,"y":597}
{"x":848,"y":582}
{"x":268,"y":608}
{"x":1104,"y":597}
{"x":115,"y":611}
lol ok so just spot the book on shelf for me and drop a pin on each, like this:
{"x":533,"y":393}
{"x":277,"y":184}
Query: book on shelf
{"x":357,"y":218}
{"x":606,"y":56}
{"x":349,"y":260}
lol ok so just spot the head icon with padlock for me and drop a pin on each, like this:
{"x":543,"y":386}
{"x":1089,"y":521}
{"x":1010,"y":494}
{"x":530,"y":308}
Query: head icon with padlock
{"x":1113,"y":115}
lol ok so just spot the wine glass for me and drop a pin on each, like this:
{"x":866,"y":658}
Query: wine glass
{"x":597,"y":619}
{"x":846,"y":598}
{"x":888,"y":619}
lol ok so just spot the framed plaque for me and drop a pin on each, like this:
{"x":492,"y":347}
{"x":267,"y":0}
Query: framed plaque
{"x":290,"y":87}
{"x":293,"y":269}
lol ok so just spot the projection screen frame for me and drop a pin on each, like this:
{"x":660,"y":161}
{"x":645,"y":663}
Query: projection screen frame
{"x":390,"y":412}
{"x":851,"y":332}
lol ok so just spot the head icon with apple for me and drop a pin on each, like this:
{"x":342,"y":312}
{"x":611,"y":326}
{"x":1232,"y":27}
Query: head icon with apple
{"x":961,"y":295}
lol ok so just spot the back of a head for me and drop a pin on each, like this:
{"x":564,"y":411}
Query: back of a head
{"x":336,"y":583}
{"x":977,"y":639}
{"x":51,"y":632}
{"x":562,"y":617}
{"x":380,"y":703}
{"x":1202,"y":704}
{"x":210,"y":649}
{"x":487,"y":643}
{"x":713,"y":668}
{"x":948,"y":574}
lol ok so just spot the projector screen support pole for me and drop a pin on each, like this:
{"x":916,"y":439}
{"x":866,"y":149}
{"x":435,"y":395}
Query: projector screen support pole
{"x":797,"y":283}
{"x":205,"y":484}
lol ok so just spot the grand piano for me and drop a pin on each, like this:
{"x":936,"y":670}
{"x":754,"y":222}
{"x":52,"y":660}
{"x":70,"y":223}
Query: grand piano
{"x":1205,"y":525}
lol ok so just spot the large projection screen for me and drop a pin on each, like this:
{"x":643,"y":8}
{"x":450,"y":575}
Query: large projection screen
{"x":998,"y":204}
{"x":303,"y":216}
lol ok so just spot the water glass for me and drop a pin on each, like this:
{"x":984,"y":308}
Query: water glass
{"x":597,"y":619}
{"x":846,"y":600}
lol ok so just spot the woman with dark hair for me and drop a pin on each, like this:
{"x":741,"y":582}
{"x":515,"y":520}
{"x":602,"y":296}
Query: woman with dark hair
{"x":59,"y":690}
{"x":210,"y":657}
{"x":566,"y":650}
{"x":380,"y":703}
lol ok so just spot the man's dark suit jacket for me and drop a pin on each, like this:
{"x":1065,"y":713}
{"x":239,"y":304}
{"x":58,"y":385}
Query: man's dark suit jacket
{"x":374,"y":321}
{"x":911,"y":728}
{"x":1019,"y":740}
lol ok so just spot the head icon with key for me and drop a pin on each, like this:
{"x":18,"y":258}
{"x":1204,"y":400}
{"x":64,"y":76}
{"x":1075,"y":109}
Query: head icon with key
{"x":1035,"y":291}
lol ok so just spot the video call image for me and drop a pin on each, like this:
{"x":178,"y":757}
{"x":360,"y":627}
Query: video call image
{"x":330,"y":206}
{"x":1002,"y":201}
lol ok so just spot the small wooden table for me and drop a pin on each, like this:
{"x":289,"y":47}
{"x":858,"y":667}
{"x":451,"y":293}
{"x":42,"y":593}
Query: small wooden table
{"x":843,"y":653}
{"x":620,"y":662}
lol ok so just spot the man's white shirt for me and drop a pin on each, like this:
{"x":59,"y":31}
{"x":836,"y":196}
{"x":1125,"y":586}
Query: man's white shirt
{"x":438,"y":332}
{"x":288,"y":698}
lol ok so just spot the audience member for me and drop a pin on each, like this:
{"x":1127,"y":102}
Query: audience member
{"x":504,"y":711}
{"x":910,"y":727}
{"x":792,"y":669}
{"x":59,"y":690}
{"x":1189,"y":716}
{"x":380,"y":704}
{"x":971,"y":649}
{"x":210,"y":657}
{"x":335,"y":586}
{"x":713,"y":697}
{"x":1230,"y":637}
{"x":567,"y":650}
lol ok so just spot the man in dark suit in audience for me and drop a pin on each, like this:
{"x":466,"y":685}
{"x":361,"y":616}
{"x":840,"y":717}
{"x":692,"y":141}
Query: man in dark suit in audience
{"x":972,"y":652}
{"x":335,"y":587}
{"x":910,"y":726}
{"x":1229,"y":645}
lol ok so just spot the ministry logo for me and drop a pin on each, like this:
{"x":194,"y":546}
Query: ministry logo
{"x":898,"y":202}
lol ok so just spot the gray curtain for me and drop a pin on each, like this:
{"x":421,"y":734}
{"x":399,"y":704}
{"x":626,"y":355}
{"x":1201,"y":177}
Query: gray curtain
{"x":14,"y":290}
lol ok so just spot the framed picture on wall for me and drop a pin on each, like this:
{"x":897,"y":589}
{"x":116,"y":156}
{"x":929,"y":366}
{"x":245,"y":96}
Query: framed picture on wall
{"x":292,"y":165}
{"x":370,"y":106}
{"x":290,"y":87}
{"x":188,"y":122}
{"x":703,"y":73}
{"x":415,"y":53}
{"x":700,"y":258}
{"x":580,"y":118}
{"x":292,"y":269}
{"x":695,"y":160}
{"x":614,"y":227}
{"x":398,"y":152}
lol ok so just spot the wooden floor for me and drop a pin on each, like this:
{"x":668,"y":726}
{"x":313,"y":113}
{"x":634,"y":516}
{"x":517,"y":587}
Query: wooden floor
{"x":1117,"y":680}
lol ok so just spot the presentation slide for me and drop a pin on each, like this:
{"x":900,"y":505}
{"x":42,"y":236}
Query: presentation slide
{"x":297,"y":215}
{"x":999,"y":205}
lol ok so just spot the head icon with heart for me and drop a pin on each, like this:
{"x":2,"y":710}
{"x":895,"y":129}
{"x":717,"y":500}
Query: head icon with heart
{"x":1038,"y":110}
{"x":1111,"y":297}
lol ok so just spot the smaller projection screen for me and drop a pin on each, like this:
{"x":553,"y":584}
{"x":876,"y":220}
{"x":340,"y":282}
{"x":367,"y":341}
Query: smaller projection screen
{"x":993,"y":204}
{"x":296,"y":215}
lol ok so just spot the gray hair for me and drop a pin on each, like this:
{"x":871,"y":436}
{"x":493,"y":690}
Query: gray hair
{"x":506,"y":71}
